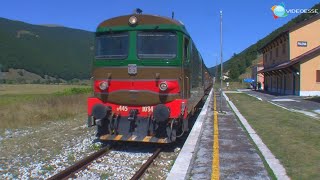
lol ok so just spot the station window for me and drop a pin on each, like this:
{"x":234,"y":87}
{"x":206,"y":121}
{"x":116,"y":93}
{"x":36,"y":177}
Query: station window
{"x":265,"y":57}
{"x":318,"y":76}
{"x":277,"y":52}
{"x":270,"y":54}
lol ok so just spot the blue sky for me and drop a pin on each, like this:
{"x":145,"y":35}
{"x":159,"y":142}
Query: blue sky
{"x":244,"y":22}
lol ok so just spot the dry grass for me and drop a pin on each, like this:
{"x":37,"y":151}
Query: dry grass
{"x":30,"y":89}
{"x":292,"y":137}
{"x":32,"y":104}
{"x":42,"y":109}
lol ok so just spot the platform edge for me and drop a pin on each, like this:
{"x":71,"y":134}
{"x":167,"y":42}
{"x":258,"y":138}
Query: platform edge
{"x":181,"y":167}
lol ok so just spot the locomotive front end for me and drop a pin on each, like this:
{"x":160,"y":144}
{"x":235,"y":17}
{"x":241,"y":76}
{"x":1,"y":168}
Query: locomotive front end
{"x":138,"y":89}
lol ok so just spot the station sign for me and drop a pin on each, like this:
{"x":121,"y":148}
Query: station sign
{"x":302,"y":43}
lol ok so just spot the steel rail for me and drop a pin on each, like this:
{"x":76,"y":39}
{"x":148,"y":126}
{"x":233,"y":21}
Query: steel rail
{"x":80,"y":165}
{"x":145,"y":166}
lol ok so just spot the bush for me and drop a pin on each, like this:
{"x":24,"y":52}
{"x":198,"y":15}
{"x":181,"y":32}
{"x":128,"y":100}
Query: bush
{"x":74,"y":90}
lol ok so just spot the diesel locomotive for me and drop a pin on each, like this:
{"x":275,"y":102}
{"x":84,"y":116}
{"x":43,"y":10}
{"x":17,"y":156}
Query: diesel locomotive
{"x":148,"y":77}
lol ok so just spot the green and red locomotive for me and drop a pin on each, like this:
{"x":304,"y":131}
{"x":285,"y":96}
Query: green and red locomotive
{"x":148,"y":77}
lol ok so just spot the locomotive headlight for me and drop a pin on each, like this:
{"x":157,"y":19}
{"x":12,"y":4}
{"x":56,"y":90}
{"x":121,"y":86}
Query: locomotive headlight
{"x":133,"y":20}
{"x":103,"y":85}
{"x":163,"y":86}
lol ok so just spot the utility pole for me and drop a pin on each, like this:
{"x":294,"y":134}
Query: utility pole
{"x":216,"y":74}
{"x":221,"y":77}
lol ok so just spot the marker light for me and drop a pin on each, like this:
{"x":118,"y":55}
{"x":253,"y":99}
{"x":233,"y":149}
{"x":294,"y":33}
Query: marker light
{"x":133,"y":20}
{"x":103,"y":85}
{"x":163,"y":86}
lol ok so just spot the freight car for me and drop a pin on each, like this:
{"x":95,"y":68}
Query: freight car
{"x":148,"y":76}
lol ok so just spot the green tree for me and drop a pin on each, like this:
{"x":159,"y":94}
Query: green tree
{"x":234,"y":72}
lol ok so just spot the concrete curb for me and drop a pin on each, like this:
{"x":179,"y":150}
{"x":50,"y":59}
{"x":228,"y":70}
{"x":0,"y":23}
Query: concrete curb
{"x":306,"y":113}
{"x":275,"y":165}
{"x":181,"y":167}
{"x":254,"y":96}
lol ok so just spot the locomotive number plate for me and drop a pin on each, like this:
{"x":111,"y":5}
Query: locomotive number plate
{"x":122,"y":108}
{"x":132,"y":69}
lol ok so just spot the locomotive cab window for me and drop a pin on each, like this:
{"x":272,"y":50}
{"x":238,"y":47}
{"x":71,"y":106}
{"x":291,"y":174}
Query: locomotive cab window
{"x":112,"y":46}
{"x":157,"y":45}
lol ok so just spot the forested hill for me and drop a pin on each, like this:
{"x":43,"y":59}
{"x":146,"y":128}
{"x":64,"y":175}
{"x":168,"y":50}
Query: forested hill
{"x":46,"y":50}
{"x":238,"y":63}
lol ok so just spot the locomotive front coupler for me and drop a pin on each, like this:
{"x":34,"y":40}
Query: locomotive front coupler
{"x":132,"y":118}
{"x":114,"y":123}
{"x":133,"y":114}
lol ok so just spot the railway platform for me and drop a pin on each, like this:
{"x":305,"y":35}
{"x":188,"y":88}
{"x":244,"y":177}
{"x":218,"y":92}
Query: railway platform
{"x":218,"y":147}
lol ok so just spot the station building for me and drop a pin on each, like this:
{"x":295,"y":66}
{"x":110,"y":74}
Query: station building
{"x":291,"y":61}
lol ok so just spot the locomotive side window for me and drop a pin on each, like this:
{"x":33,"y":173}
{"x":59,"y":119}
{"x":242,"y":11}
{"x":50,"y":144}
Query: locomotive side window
{"x":157,"y":45}
{"x":112,"y":46}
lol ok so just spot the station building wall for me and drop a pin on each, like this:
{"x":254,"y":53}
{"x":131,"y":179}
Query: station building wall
{"x":309,"y":33}
{"x":310,"y":84}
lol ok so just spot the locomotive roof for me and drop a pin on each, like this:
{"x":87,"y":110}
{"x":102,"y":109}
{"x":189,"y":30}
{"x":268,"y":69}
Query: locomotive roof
{"x":143,"y":19}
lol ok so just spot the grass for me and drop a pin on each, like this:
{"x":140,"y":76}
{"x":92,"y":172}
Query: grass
{"x":34,"y":89}
{"x":71,"y":157}
{"x":48,"y":168}
{"x":95,"y":147}
{"x":292,"y":137}
{"x":39,"y":110}
{"x":105,"y":175}
{"x":18,"y":98}
{"x":233,"y":86}
{"x":20,"y":110}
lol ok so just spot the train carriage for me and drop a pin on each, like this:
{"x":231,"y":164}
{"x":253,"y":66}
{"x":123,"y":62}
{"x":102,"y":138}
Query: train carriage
{"x":148,"y":77}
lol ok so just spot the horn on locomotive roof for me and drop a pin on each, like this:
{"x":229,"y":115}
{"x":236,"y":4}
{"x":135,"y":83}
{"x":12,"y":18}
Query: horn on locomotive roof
{"x":137,"y":11}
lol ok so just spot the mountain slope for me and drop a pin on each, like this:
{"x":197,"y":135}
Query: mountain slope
{"x":238,"y":63}
{"x":55,"y":51}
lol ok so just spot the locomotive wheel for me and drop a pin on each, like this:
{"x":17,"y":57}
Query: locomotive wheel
{"x":171,"y":131}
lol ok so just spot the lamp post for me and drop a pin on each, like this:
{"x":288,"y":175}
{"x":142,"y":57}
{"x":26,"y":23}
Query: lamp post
{"x":221,"y":73}
{"x":216,"y":73}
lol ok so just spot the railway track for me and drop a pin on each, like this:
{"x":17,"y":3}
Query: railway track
{"x":145,"y":166}
{"x":80,"y":165}
{"x":71,"y":171}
